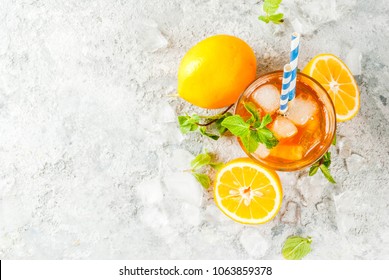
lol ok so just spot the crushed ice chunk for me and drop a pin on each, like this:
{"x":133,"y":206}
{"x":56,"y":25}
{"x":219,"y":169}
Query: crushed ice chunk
{"x":297,"y":25}
{"x":311,"y":189}
{"x":184,"y":186}
{"x":254,"y":243}
{"x":344,"y":145}
{"x":180,"y":160}
{"x":300,"y":110}
{"x":344,"y":203}
{"x":190,"y":214}
{"x":283,"y":128}
{"x":288,"y":179}
{"x":268,"y":98}
{"x":353,"y":61}
{"x":355,"y":163}
{"x":214,"y":215}
{"x":153,"y":217}
{"x":150,"y":37}
{"x":166,"y":113}
{"x":150,"y":191}
{"x":262,"y":151}
{"x":292,"y":213}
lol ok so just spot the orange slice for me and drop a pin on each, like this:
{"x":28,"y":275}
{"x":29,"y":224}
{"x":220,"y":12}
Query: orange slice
{"x":339,"y":82}
{"x":247,"y":192}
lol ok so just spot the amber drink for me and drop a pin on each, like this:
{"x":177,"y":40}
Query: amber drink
{"x":305,"y":131}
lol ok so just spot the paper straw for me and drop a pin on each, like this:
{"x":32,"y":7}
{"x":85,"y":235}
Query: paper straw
{"x":285,"y":88}
{"x":294,"y":55}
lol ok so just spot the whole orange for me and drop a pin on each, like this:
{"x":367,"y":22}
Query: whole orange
{"x":216,"y":71}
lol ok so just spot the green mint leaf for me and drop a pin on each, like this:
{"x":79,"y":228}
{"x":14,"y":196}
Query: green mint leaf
{"x":267,"y":137}
{"x":271,"y":6}
{"x":188,"y":123}
{"x":203,"y":179}
{"x":265,"y":120}
{"x":203,"y":131}
{"x":236,"y":125}
{"x":313,"y":170}
{"x":327,"y":159}
{"x":264,"y":19}
{"x":250,"y":141}
{"x":277,"y":18}
{"x":334,"y":140}
{"x":327,"y":174}
{"x":200,"y":161}
{"x":217,"y":165}
{"x":252,"y":109}
{"x":296,"y":247}
{"x":221,"y":129}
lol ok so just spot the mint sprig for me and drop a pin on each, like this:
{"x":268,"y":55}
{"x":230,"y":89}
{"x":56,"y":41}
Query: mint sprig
{"x":252,"y":131}
{"x":270,"y":8}
{"x":199,"y":163}
{"x":324,"y":164}
{"x":209,"y":126}
{"x":296,"y":247}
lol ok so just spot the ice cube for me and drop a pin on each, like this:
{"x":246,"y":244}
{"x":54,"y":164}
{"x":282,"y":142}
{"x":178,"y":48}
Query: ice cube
{"x":288,"y":152}
{"x":149,"y":36}
{"x":268,"y":98}
{"x":179,"y":160}
{"x":190,"y":214}
{"x":312,"y":135}
{"x":166,"y":113}
{"x":292,"y":213}
{"x":262,"y":151}
{"x":344,"y":145}
{"x":288,"y":179}
{"x":184,"y":186}
{"x":150,"y":191}
{"x":254,"y":243}
{"x":300,"y":110}
{"x":283,"y":128}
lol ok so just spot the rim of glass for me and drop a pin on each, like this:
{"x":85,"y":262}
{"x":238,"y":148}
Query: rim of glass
{"x":297,"y":165}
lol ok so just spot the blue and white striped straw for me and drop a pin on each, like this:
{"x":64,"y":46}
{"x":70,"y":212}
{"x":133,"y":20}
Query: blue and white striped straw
{"x":285,"y":88}
{"x":294,"y":55}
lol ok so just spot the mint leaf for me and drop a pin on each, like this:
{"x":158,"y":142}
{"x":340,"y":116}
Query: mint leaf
{"x":264,"y":19}
{"x":270,"y":7}
{"x":265,"y":121}
{"x":250,"y":141}
{"x":313,"y":170}
{"x":200,"y":161}
{"x":326,"y":161}
{"x":277,"y":18}
{"x":188,"y":123}
{"x":267,"y":137}
{"x":252,"y":109}
{"x":236,"y":125}
{"x":221,"y":129}
{"x":203,"y":131}
{"x":296,"y":247}
{"x":203,"y":179}
{"x":327,"y":174}
{"x":216,"y":165}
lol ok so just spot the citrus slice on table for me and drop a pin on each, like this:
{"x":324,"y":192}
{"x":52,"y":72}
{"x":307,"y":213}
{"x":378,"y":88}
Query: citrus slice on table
{"x":248,"y":192}
{"x":339,"y":82}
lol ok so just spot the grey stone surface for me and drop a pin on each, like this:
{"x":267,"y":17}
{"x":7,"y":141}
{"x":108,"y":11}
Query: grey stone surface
{"x":87,"y":131}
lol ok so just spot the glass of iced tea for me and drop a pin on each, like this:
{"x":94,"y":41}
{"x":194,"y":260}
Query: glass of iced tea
{"x":305,"y":132}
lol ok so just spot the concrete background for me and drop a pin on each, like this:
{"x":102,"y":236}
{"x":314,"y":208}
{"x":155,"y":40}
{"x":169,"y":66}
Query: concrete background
{"x":91,"y":158}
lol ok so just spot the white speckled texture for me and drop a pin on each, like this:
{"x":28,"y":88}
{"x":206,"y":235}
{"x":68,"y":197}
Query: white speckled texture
{"x":87,"y":130}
